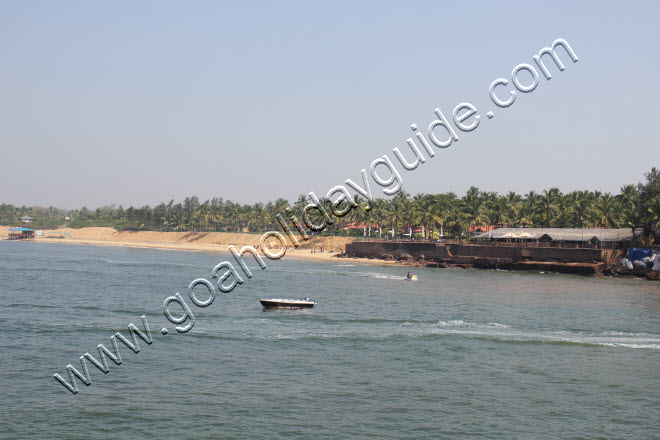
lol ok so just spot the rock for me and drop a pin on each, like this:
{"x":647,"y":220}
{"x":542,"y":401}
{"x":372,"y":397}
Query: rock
{"x":653,"y":276}
{"x":406,"y":257}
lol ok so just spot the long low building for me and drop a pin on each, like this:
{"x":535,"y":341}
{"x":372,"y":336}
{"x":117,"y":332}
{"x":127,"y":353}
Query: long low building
{"x":575,"y":235}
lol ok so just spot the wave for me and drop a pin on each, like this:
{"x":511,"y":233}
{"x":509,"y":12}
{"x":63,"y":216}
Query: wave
{"x":383,"y":329}
{"x":146,"y":263}
{"x":310,"y":327}
{"x":461,"y":323}
{"x":378,"y":275}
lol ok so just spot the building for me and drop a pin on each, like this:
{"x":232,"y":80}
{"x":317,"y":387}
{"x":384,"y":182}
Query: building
{"x":482,"y":228}
{"x":27,"y":219}
{"x":568,"y":236}
{"x":20,"y":233}
{"x":357,"y":225}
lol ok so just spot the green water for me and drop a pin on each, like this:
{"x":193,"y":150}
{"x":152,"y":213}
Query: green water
{"x":458,"y":354}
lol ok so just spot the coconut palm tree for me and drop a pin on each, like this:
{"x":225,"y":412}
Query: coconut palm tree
{"x":605,"y":210}
{"x":472,"y":207}
{"x":581,"y":206}
{"x":547,"y":205}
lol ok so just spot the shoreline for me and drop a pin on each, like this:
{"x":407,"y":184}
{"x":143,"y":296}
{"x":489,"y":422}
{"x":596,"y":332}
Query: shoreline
{"x":219,"y":242}
{"x":299,"y":254}
{"x":201,"y":241}
{"x":326,"y":257}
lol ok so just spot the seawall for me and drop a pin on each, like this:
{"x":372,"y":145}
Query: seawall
{"x":565,"y":260}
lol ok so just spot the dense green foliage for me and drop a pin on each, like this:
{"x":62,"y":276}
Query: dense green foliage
{"x":635,"y":206}
{"x":44,"y":218}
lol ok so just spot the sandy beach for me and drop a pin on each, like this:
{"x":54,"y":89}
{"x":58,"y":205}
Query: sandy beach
{"x":199,"y":241}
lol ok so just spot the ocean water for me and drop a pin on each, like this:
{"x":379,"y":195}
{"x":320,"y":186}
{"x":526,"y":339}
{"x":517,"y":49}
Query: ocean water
{"x":458,"y":354}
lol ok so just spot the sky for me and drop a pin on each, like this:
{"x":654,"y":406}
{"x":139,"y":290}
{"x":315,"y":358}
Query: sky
{"x":135,"y":102}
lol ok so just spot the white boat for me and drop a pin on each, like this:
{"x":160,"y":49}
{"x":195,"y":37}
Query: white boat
{"x":278,"y":303}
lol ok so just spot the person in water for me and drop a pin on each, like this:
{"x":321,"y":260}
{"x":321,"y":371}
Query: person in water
{"x":409,"y":276}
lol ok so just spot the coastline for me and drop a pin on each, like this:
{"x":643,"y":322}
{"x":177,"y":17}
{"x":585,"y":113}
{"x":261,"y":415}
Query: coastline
{"x":201,"y":241}
{"x":332,"y":247}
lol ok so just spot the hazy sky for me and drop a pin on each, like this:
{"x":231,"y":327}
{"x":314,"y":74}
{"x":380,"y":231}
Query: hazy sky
{"x":136,"y":103}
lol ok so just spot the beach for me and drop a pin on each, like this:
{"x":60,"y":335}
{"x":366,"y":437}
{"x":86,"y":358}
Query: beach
{"x":199,"y":241}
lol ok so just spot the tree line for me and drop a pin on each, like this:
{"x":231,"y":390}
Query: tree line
{"x":634,"y":206}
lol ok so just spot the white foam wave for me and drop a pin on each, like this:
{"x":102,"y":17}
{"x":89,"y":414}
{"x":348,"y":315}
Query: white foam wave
{"x":494,"y":331}
{"x":461,"y":323}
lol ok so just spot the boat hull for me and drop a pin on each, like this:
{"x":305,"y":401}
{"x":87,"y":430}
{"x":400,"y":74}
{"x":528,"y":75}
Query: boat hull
{"x":284,"y":304}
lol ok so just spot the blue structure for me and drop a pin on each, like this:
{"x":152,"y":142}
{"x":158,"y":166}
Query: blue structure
{"x":638,"y":254}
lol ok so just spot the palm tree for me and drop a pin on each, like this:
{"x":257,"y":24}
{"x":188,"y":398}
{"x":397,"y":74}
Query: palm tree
{"x":301,"y":202}
{"x":496,"y":208}
{"x":628,"y":196}
{"x":563,"y":213}
{"x":472,"y":207}
{"x":443,"y":207}
{"x":605,"y":211}
{"x":547,"y":204}
{"x":581,"y":206}
{"x":652,"y":216}
{"x":514,"y":203}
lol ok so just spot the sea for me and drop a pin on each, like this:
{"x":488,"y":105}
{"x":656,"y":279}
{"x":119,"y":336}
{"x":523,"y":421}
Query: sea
{"x":457,"y":354}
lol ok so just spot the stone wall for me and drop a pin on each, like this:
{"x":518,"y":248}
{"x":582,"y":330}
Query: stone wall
{"x":462,"y":250}
{"x":374,"y":249}
{"x":440,"y":252}
{"x":566,"y":255}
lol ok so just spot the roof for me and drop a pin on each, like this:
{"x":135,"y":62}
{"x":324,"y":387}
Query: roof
{"x":27,"y":217}
{"x":560,"y":234}
{"x":356,"y":225}
{"x":481,"y":228}
{"x":20,"y":229}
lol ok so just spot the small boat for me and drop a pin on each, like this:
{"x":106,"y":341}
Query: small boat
{"x":412,"y":278}
{"x":277,"y":303}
